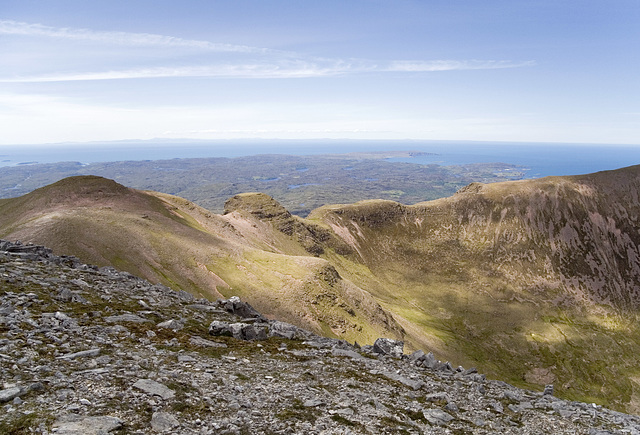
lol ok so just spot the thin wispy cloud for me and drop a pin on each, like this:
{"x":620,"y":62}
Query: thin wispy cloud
{"x":208,"y":59}
{"x":214,"y":71}
{"x":452,"y":65}
{"x":8,"y":27}
{"x":255,"y":71}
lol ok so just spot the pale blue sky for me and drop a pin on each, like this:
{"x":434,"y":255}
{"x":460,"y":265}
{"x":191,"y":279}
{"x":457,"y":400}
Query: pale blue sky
{"x":536,"y":71}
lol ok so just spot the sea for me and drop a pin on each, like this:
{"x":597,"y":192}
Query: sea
{"x":536,"y":159}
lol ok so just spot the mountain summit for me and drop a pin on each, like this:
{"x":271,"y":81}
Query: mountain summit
{"x":535,"y":282}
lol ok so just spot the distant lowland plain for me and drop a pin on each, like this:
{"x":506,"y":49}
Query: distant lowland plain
{"x":303,"y":174}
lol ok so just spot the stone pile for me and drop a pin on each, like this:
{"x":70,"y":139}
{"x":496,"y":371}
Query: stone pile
{"x":87,"y":350}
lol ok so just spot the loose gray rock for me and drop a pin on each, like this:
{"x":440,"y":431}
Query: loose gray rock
{"x":548,"y":390}
{"x":172,"y":324}
{"x":242,"y":309}
{"x":287,"y":330}
{"x":416,"y":385}
{"x":239,"y":330}
{"x":81,"y":354}
{"x":10,"y":394}
{"x":349,"y":353}
{"x":163,"y":422}
{"x":203,"y":342}
{"x":220,"y":328}
{"x":254,"y":332}
{"x":417,"y":355}
{"x":387,"y":346}
{"x":126,"y":318}
{"x":429,"y":361}
{"x":154,"y":388}
{"x":437,"y":417}
{"x":79,"y":425}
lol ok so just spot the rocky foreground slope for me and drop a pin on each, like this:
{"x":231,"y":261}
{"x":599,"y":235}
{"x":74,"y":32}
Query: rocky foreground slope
{"x":534,"y":282}
{"x":85,"y":350}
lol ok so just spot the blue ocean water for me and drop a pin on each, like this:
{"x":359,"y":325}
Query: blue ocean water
{"x":540,"y":159}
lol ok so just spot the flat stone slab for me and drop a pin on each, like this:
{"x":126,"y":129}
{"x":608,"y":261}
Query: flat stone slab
{"x":437,"y":417}
{"x":163,"y":421}
{"x":154,"y":388}
{"x":10,"y":394}
{"x":416,"y":385}
{"x":79,"y":425}
{"x":81,"y":354}
{"x":126,"y":318}
{"x":203,"y":342}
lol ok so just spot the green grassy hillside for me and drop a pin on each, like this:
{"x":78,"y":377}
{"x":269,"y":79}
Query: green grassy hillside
{"x":534,"y":282}
{"x":169,"y":240}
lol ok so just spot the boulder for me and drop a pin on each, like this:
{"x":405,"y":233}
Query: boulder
{"x":239,"y":330}
{"x":387,"y":346}
{"x":219,"y":328}
{"x":286,"y":330}
{"x":235,"y":306}
{"x":416,"y":356}
{"x":172,"y":324}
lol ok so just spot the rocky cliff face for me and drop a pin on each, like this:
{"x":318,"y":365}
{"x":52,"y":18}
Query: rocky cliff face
{"x":88,"y":350}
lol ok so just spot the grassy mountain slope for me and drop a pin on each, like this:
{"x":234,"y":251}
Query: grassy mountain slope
{"x":170,"y":240}
{"x":534,"y":281}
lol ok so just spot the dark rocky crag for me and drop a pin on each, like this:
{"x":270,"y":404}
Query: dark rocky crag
{"x":87,"y":350}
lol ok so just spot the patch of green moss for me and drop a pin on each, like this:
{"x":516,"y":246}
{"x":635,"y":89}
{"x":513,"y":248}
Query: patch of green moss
{"x":23,"y":424}
{"x":344,"y":421}
{"x":298,"y":411}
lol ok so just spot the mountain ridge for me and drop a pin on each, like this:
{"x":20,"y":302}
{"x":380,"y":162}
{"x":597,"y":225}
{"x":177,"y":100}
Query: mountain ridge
{"x":534,"y":281}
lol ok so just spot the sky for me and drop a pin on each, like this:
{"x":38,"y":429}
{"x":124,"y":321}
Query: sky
{"x":531,"y":71}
